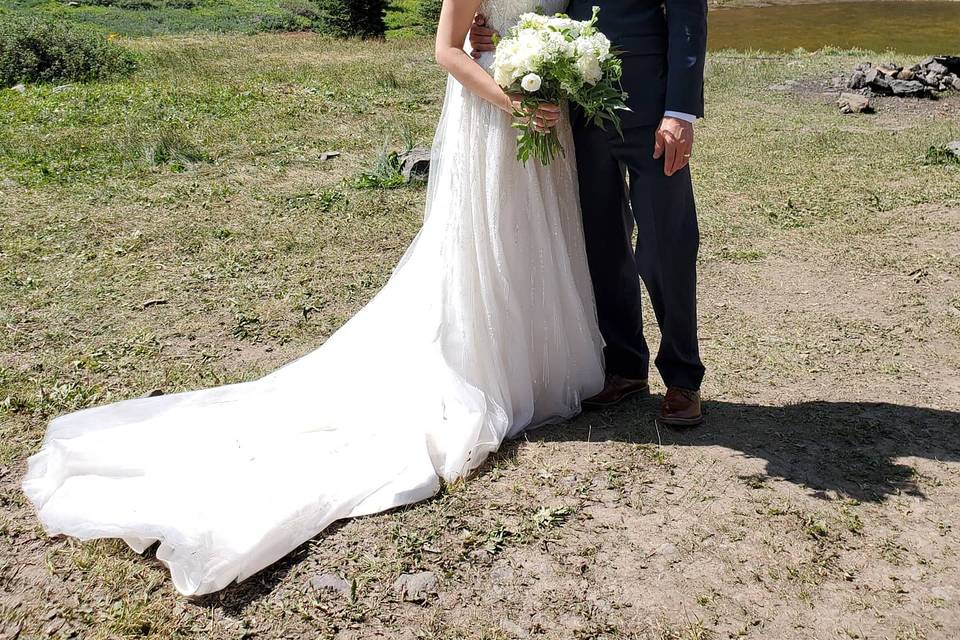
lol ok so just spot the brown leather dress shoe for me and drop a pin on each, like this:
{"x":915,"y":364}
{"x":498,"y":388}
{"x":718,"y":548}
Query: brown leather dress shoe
{"x":681,"y":408}
{"x":617,"y":389}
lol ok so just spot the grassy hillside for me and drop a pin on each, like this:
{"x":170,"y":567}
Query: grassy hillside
{"x":155,"y":17}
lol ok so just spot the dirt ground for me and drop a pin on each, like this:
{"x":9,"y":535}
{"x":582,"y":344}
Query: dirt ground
{"x":819,"y":501}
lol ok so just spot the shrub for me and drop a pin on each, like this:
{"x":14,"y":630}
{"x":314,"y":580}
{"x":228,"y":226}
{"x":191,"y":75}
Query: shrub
{"x":135,"y":5}
{"x":285,"y":21}
{"x":346,"y":18}
{"x":429,"y":13}
{"x":34,"y":49}
{"x":302,"y":8}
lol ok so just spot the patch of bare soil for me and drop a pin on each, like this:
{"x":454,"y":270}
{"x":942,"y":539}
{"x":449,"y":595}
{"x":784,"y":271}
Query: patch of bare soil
{"x":819,"y":501}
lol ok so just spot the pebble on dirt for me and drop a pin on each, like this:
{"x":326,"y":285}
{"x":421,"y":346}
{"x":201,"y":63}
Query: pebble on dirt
{"x":330,"y":582}
{"x":415,"y":587}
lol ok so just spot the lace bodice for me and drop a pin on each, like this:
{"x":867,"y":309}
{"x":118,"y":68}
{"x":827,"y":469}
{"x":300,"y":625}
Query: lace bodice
{"x":503,"y":14}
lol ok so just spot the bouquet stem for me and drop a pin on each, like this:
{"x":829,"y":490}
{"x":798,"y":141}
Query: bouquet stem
{"x":542,"y":146}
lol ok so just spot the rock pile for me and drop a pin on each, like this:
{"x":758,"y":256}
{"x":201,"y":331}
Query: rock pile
{"x":922,"y":80}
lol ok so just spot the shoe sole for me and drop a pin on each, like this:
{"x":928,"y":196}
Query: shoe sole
{"x":606,"y":405}
{"x":680,"y":422}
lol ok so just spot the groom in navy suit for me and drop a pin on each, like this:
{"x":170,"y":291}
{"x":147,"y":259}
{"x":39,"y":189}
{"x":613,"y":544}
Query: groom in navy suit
{"x":643,"y":180}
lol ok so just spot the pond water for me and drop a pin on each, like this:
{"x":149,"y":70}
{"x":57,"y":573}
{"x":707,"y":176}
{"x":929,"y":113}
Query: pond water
{"x":917,"y":28}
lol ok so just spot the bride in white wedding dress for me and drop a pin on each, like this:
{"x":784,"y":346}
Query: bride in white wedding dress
{"x":486,"y":328}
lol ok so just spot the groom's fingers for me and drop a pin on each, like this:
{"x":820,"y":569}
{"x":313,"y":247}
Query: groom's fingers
{"x":657,"y":144}
{"x":683,"y":155}
{"x":669,"y":152}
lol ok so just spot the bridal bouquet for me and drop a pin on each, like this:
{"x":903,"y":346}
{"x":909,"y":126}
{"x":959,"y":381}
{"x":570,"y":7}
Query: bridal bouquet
{"x":553,"y":59}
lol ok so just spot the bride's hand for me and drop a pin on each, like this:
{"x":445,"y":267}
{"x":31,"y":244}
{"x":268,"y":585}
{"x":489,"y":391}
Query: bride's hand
{"x":545,"y":116}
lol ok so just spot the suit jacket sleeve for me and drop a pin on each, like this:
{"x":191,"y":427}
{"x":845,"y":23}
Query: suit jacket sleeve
{"x":686,"y":53}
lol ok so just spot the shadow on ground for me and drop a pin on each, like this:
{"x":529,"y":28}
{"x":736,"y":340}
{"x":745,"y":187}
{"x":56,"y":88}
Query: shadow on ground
{"x":849,"y":448}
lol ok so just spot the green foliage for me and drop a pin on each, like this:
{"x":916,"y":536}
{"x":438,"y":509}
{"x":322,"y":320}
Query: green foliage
{"x":351,"y":18}
{"x":139,"y":5}
{"x":384,"y":174}
{"x":150,"y":17}
{"x":429,"y":13}
{"x":941,"y":155}
{"x":35,"y":49}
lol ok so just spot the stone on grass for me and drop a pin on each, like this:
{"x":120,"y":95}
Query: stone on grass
{"x":330,"y":582}
{"x":19,"y":88}
{"x":415,"y":587}
{"x":854,"y":103}
{"x":953,"y":148}
{"x":415,"y":164}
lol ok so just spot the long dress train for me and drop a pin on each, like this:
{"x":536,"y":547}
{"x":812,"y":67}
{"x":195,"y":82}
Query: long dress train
{"x":486,"y":328}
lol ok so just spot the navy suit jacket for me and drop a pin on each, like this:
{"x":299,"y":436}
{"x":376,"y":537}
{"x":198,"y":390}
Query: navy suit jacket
{"x":663,"y":44}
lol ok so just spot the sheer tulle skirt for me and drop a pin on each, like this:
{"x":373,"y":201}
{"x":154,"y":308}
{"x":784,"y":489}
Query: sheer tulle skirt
{"x":486,"y":328}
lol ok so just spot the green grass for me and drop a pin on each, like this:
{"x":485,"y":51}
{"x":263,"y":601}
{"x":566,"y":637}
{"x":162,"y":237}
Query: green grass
{"x":184,"y":16}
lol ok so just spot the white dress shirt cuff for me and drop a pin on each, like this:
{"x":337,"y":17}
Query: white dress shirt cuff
{"x":680,"y":115}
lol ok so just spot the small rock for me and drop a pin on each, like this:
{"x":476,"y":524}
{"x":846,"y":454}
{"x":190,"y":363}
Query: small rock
{"x":908,"y":88}
{"x":329,"y":155}
{"x":153,"y":394}
{"x":19,"y":88}
{"x":854,"y":103}
{"x":952,"y":63}
{"x":330,"y":582}
{"x":513,"y":629}
{"x":937,"y":68}
{"x":501,"y":573}
{"x":905,"y":74}
{"x":415,"y":587}
{"x":858,"y":80}
{"x":415,"y":164}
{"x":953,"y":148}
{"x":956,"y":83}
{"x":888,"y":69}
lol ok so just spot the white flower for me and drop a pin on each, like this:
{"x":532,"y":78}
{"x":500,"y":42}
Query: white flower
{"x":590,"y":69}
{"x":531,"y":82}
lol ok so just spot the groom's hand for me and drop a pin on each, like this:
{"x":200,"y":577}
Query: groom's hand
{"x":481,"y":36}
{"x":674,"y":143}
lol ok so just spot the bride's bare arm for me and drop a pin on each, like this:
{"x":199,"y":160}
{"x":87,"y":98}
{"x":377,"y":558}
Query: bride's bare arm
{"x":456,"y":17}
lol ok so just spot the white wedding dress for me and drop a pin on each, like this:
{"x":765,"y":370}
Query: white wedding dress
{"x":486,"y":328}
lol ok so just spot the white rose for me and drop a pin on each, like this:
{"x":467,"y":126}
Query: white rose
{"x":590,"y":69}
{"x":531,"y":82}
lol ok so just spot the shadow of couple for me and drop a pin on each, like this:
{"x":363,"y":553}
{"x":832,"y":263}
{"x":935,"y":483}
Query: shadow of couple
{"x":849,"y":448}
